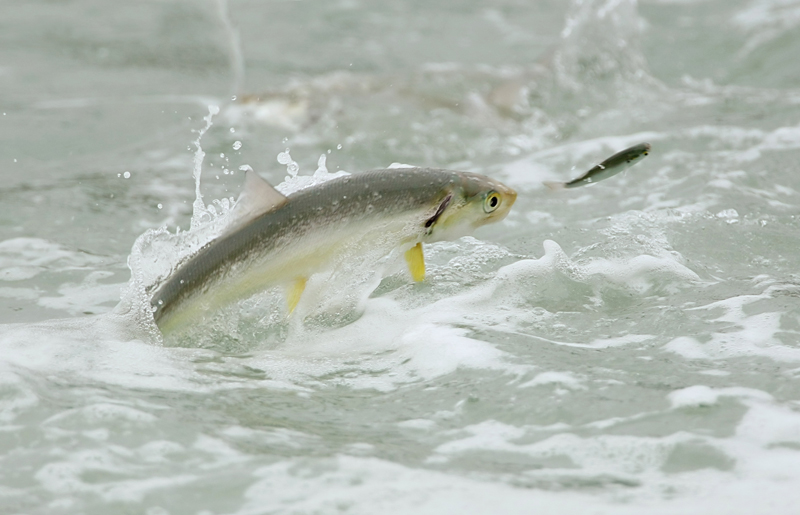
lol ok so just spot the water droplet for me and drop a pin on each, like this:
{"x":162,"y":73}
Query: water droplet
{"x":160,"y":205}
{"x":127,"y":175}
{"x":246,"y":168}
{"x":237,"y":145}
{"x":233,"y":130}
{"x":284,"y":158}
{"x":292,"y":168}
{"x":233,"y":97}
{"x":321,"y":168}
{"x":339,"y":146}
{"x":222,"y":155}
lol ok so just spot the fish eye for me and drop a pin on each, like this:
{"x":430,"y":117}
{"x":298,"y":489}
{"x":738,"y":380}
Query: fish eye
{"x":492,"y":202}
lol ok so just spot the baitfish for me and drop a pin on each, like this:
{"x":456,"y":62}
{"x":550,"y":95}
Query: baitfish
{"x":615,"y":164}
{"x":274,"y":239}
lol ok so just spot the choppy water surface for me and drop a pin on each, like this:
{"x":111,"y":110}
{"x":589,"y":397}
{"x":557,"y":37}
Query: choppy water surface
{"x":631,"y":347}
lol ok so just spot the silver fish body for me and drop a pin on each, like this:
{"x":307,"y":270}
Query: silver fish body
{"x":316,"y":226}
{"x":615,"y":164}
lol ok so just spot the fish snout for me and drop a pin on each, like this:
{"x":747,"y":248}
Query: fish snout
{"x":509,"y":196}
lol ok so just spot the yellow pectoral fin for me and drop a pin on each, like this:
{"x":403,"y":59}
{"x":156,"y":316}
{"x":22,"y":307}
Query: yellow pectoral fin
{"x":295,"y":291}
{"x":416,"y":262}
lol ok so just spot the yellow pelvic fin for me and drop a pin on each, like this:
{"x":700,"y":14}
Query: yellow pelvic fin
{"x":295,"y":291}
{"x":416,"y":262}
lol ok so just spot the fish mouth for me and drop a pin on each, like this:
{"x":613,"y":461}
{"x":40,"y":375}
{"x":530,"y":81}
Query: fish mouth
{"x":509,"y":197}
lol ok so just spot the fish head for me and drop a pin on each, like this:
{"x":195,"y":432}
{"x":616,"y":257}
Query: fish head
{"x":472,"y":200}
{"x":636,"y":151}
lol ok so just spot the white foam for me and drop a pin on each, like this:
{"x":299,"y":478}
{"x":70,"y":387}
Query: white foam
{"x":386,"y":347}
{"x":370,"y":485}
{"x":759,"y":14}
{"x":101,"y":348}
{"x":25,"y":258}
{"x":641,"y":273}
{"x":420,"y":424}
{"x":701,"y":395}
{"x":90,"y":295}
{"x":565,"y":379}
{"x":744,"y":335}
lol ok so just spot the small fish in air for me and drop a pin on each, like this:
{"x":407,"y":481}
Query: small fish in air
{"x":615,"y":164}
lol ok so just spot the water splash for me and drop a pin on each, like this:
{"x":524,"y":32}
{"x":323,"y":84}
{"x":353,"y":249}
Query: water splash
{"x":234,"y":47}
{"x":199,"y":212}
{"x":600,"y":59}
{"x":295,"y":182}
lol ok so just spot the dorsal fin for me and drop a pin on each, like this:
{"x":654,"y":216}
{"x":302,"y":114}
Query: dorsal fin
{"x":257,"y":197}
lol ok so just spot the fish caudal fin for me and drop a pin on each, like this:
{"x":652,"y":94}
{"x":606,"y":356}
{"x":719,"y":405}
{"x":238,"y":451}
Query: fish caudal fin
{"x":416,"y":262}
{"x":295,"y":291}
{"x":555,"y":186}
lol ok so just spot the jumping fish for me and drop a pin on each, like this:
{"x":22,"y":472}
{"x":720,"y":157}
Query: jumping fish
{"x":274,"y":239}
{"x":615,"y":164}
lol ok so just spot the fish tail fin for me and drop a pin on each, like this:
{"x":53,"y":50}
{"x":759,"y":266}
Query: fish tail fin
{"x":555,"y":186}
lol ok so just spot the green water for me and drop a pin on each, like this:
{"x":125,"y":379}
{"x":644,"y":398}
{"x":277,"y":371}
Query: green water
{"x":629,"y":347}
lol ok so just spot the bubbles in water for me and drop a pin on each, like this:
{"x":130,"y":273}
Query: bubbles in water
{"x":729,"y":215}
{"x":339,"y":146}
{"x":127,"y":175}
{"x":292,"y":167}
{"x":284,"y":158}
{"x":232,"y":131}
{"x":236,"y":144}
{"x":160,"y":205}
